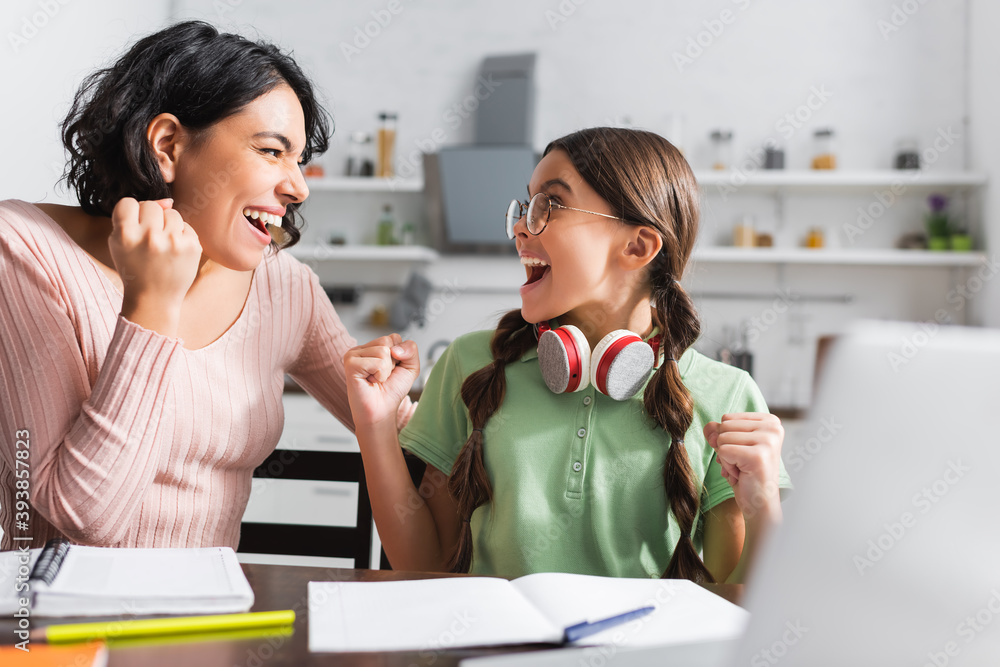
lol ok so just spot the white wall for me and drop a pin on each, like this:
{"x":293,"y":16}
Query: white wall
{"x":48,"y":47}
{"x":605,"y":63}
{"x":984,"y":112}
{"x":609,"y":60}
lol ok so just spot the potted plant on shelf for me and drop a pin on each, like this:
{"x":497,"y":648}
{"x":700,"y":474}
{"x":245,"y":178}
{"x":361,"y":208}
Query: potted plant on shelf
{"x":938,"y":225}
{"x":961,"y":240}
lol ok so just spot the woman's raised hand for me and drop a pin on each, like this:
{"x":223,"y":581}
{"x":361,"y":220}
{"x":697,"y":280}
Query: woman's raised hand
{"x":156,"y":254}
{"x":379,"y":375}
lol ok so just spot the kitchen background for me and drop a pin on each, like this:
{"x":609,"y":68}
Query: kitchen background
{"x":877,"y":72}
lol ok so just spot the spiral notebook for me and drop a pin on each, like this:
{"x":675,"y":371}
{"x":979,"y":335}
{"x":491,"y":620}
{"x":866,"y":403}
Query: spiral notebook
{"x":66,"y":579}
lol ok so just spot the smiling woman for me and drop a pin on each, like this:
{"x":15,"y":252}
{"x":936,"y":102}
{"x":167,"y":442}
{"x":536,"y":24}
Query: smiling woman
{"x":251,"y":158}
{"x":147,"y":332}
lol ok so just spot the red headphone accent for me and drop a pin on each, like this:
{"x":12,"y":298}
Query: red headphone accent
{"x":655,"y":343}
{"x":573,"y":352}
{"x":601,"y":374}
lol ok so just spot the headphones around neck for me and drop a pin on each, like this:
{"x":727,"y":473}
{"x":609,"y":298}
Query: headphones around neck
{"x":618,"y":366}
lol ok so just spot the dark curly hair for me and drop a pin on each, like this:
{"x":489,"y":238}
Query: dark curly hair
{"x":194,"y":72}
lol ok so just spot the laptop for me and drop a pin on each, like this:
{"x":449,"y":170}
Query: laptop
{"x":890,"y":548}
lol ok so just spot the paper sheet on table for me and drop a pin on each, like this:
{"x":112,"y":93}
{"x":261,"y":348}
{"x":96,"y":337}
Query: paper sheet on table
{"x":422,"y":615}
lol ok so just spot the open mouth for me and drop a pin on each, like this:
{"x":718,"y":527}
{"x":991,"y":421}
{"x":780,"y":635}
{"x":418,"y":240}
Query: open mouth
{"x":259,"y":220}
{"x":256,"y":223}
{"x":536,"y":269}
{"x":536,"y":273}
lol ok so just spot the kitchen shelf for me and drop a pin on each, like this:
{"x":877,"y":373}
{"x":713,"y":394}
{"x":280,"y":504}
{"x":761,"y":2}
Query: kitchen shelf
{"x":367,"y":265}
{"x":714,"y":254}
{"x":800,"y":181}
{"x":365,"y":253}
{"x":837,"y":256}
{"x":364,"y":184}
{"x":835,"y":181}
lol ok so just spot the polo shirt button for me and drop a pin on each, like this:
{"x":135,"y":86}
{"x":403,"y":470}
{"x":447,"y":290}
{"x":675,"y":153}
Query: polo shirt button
{"x":586,"y":400}
{"x":577,"y":466}
{"x":582,"y":432}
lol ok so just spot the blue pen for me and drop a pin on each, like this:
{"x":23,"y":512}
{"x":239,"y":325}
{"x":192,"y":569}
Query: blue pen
{"x":585,"y":629}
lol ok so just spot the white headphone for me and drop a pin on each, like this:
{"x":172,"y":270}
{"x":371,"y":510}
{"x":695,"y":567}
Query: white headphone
{"x":618,"y":367}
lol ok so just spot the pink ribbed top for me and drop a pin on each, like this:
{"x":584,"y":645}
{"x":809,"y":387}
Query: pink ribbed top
{"x":136,"y":441}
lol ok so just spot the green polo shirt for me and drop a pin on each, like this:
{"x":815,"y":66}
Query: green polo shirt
{"x":577,"y":478}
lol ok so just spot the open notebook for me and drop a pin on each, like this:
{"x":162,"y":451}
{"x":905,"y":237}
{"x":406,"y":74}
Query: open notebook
{"x":74,"y":580}
{"x":484,"y":611}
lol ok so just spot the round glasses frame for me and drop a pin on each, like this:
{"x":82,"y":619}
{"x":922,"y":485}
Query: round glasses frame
{"x":538,"y":210}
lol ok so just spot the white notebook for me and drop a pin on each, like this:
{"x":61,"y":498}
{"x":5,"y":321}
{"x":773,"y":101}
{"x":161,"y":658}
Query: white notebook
{"x":74,"y":580}
{"x":461,"y":612}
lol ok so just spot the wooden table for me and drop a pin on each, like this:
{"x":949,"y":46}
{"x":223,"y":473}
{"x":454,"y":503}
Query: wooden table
{"x":284,"y":587}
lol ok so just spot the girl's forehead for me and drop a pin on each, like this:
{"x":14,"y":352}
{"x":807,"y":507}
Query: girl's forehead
{"x":554,"y":170}
{"x":555,"y":161}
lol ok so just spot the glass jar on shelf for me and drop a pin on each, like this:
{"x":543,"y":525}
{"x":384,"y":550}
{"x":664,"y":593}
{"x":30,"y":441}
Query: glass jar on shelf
{"x":386,"y":145}
{"x":907,"y":153}
{"x":774,"y":157}
{"x":744,"y":234}
{"x":386,"y":231}
{"x":824,"y":154}
{"x":360,"y":155}
{"x":379,"y":317}
{"x":408,"y":234}
{"x":764,"y":239}
{"x":722,"y":149}
{"x":814,"y":239}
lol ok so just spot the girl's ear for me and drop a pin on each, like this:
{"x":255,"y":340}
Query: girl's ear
{"x":644,"y":244}
{"x":166,"y":137}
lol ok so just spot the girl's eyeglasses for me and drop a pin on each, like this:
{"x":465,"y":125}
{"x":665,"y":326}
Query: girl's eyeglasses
{"x":539,"y":208}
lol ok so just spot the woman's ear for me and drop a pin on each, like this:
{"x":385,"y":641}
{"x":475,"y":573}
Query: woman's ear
{"x":166,"y":138}
{"x":644,"y":244}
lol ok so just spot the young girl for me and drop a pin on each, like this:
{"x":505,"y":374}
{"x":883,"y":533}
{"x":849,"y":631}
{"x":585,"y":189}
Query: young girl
{"x":596,"y":480}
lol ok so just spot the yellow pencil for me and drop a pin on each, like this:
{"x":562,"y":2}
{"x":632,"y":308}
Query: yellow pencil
{"x":154,"y":627}
{"x":276,"y":635}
